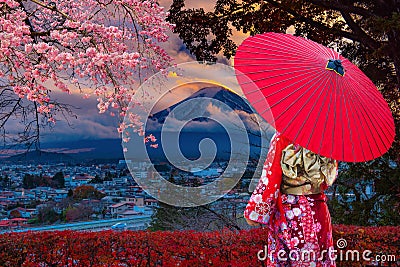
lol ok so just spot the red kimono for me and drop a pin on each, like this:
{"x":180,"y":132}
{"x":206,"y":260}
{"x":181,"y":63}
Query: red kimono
{"x":300,"y":226}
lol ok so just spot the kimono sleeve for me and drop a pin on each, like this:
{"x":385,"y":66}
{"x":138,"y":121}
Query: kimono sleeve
{"x":263,"y":202}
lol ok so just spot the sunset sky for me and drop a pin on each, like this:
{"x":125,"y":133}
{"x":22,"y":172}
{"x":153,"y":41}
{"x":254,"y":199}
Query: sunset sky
{"x":92,"y":125}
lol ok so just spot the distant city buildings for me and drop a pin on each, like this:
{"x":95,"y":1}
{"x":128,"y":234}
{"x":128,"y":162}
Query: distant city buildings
{"x":123,"y":197}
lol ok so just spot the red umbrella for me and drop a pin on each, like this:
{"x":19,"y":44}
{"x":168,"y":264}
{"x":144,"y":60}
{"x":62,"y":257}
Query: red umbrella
{"x":314,"y":96}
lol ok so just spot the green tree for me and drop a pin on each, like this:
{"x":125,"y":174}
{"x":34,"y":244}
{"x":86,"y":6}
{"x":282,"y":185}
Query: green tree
{"x":164,"y":218}
{"x":366,"y":194}
{"x":87,"y":191}
{"x":70,"y":193}
{"x":201,"y":218}
{"x":96,"y":180}
{"x":28,"y":181}
{"x":108,"y":176}
{"x":5,"y":181}
{"x":79,"y":213}
{"x":58,"y":180}
{"x":47,"y":214}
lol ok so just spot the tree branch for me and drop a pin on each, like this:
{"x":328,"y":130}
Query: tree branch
{"x":335,"y":5}
{"x":226,"y":220}
{"x":322,"y":27}
{"x":7,"y":116}
{"x":356,"y":29}
{"x":52,"y":8}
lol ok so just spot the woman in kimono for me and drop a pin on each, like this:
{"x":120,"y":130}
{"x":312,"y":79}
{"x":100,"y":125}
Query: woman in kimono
{"x":289,"y":199}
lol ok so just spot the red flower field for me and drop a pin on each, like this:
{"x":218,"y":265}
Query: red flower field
{"x":181,"y":248}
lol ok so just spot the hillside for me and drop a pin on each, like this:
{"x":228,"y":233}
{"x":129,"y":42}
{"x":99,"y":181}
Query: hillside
{"x":39,"y":157}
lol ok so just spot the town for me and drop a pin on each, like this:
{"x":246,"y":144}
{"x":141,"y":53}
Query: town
{"x":69,"y":196}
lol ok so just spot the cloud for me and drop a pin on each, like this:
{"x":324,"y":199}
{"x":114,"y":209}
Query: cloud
{"x":218,"y":118}
{"x":5,"y":153}
{"x":88,"y":123}
{"x":83,"y":128}
{"x":206,"y":5}
{"x":92,"y":125}
{"x":69,"y":150}
{"x":178,"y":94}
{"x":176,"y":49}
{"x":249,"y":119}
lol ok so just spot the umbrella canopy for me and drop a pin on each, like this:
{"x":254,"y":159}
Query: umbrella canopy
{"x":314,"y":96}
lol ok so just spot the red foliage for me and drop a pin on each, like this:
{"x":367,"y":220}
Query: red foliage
{"x":183,"y":248}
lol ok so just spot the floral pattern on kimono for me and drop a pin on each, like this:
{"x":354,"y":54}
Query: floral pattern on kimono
{"x":262,"y":206}
{"x":300,"y":231}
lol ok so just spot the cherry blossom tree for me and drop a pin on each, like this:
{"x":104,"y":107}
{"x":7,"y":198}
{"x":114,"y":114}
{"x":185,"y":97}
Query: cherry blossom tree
{"x":101,"y":48}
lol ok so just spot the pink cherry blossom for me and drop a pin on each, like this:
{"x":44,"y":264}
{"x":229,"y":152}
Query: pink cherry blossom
{"x":104,"y":47}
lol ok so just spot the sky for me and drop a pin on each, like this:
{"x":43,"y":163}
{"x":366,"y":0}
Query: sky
{"x":92,"y":125}
{"x":89,"y":124}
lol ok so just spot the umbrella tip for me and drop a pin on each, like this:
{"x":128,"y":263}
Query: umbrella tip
{"x":336,"y":66}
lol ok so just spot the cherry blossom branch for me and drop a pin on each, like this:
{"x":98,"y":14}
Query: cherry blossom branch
{"x":52,"y":8}
{"x":95,"y":47}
